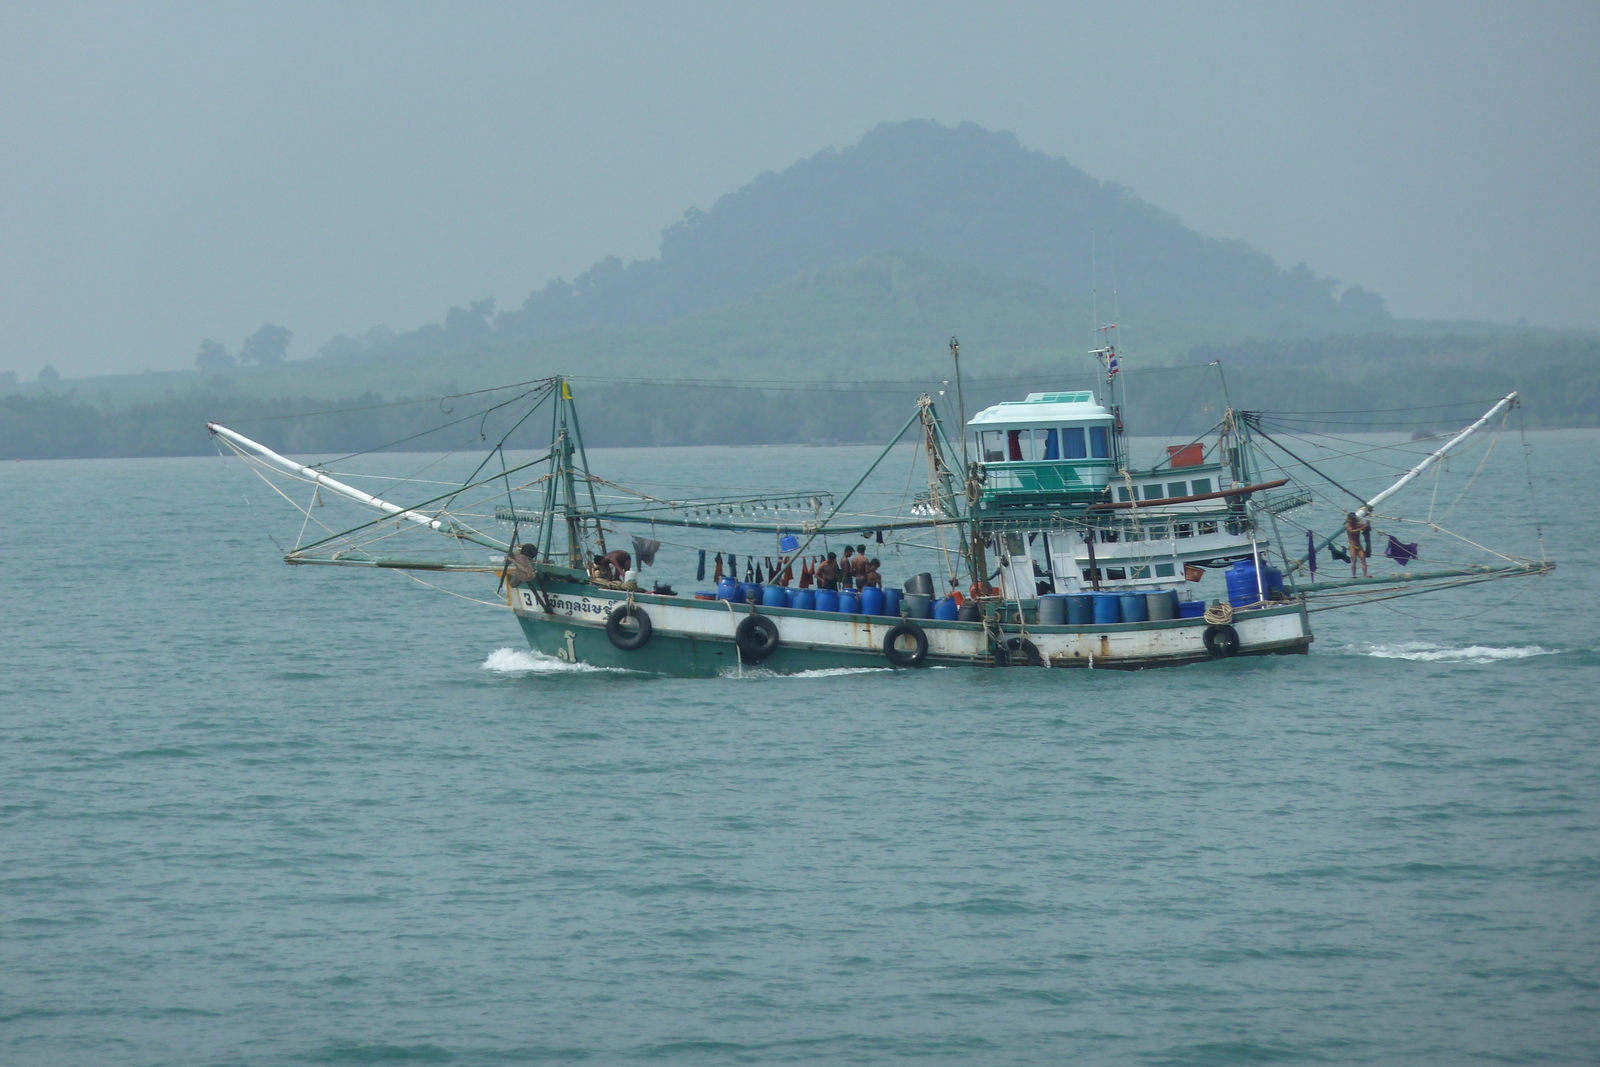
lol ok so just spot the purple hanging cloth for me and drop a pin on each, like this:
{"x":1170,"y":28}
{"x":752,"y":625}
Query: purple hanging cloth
{"x":1311,"y":553}
{"x":1399,"y":552}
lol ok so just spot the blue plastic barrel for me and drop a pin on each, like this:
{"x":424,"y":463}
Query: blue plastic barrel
{"x":804,"y":599}
{"x":728,"y":589}
{"x":1191,"y":609}
{"x":1273,"y":581}
{"x":947,"y":609}
{"x":827,"y":600}
{"x":775,"y":596}
{"x":1241,"y":581}
{"x":1134,"y":608}
{"x":849,"y":602}
{"x":751,"y":591}
{"x":891,"y":602}
{"x":1107,"y":607}
{"x":872,"y":600}
{"x":1080,"y":609}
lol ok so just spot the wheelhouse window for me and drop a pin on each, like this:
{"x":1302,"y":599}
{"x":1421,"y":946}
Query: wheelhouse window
{"x":1099,"y":442}
{"x":1019,"y":445}
{"x":1074,"y":444}
{"x":1166,"y":570}
{"x":1200,"y":486}
{"x":1123,"y":494}
{"x":994,"y":446}
{"x":1154,"y":492}
{"x":1177,"y":489}
{"x":1047,"y":444}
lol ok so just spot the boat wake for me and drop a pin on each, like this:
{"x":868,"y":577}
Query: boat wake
{"x":1426,"y":652}
{"x":825,"y":672}
{"x":526,"y":661}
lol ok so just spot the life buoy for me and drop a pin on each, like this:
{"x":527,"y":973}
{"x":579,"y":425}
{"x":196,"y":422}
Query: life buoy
{"x":1221,"y":641}
{"x":906,"y":657}
{"x":756,"y":637}
{"x":1008,"y":653}
{"x":628,"y":640}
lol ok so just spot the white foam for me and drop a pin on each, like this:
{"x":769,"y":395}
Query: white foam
{"x":1425,"y":652}
{"x":823,"y":672}
{"x":526,"y":661}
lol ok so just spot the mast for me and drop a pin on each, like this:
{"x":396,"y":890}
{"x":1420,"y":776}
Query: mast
{"x":1409,"y":476}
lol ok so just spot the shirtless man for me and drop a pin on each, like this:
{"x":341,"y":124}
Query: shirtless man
{"x":828,"y":573}
{"x":859,"y":566}
{"x":616,"y":565}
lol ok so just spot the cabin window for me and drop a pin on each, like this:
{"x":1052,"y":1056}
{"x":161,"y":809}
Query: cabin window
{"x":1153,"y":492}
{"x":1200,"y":486}
{"x":1135,"y":534}
{"x":1183,"y":529}
{"x":1015,"y":446}
{"x":1166,"y":570}
{"x":1177,"y":489}
{"x":1046,"y":444}
{"x":1074,"y":441}
{"x":1117,"y":574}
{"x":1207,"y":528}
{"x":994,"y":448}
{"x":1014,"y":545}
{"x":1140,"y":572}
{"x":1122,"y":493}
{"x":1108,"y":537}
{"x":1091,"y":574}
{"x":1099,"y":442}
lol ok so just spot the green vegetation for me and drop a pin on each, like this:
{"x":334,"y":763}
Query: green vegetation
{"x":850,"y":266}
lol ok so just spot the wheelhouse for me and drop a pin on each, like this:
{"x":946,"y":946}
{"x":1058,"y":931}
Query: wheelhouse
{"x":1050,"y":450}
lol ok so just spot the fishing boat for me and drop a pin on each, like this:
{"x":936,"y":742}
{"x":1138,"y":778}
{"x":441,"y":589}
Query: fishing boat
{"x":1054,"y":549}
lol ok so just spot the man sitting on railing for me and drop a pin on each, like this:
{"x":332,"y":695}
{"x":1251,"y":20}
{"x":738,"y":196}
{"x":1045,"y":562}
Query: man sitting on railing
{"x":1353,"y":529}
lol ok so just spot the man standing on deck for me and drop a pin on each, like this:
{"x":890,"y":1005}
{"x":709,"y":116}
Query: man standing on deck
{"x":828,"y":573}
{"x":858,"y":567}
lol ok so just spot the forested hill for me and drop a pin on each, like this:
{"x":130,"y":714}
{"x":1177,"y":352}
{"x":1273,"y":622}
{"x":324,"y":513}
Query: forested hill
{"x":967,"y":195}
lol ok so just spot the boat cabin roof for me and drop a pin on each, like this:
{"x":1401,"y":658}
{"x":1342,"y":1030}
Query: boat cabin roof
{"x":1041,"y":408}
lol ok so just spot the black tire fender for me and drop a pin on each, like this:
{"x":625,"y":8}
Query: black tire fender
{"x":901,"y":657}
{"x":1017,"y":650}
{"x":1221,"y":641}
{"x":624,"y":639}
{"x":756,"y":638}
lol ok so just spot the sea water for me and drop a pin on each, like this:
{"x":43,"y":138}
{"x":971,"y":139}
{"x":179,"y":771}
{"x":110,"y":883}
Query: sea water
{"x":255,"y":814}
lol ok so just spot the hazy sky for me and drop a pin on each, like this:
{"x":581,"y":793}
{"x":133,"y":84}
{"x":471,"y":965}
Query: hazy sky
{"x":170,"y":172}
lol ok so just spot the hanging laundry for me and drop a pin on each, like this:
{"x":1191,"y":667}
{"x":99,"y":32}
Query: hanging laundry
{"x":788,"y":571}
{"x":1338,"y":553}
{"x":718,"y":576}
{"x":749,"y":571}
{"x":806,"y":575}
{"x":1311,"y":553}
{"x":700,"y":571}
{"x":645,"y":549}
{"x":733,"y":566}
{"x":1400,"y":552}
{"x":880,"y":536}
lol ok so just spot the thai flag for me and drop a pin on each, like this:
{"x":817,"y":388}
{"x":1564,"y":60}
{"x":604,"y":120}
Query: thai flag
{"x":1111,"y":363}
